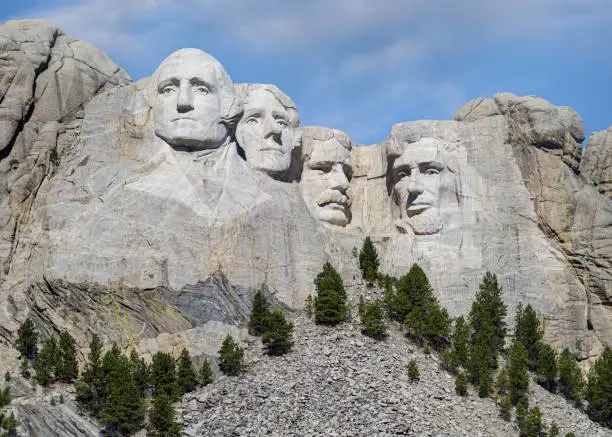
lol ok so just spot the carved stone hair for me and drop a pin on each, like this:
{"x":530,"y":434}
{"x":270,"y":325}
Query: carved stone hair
{"x":312,"y":134}
{"x":231,"y":107}
{"x":243,"y":90}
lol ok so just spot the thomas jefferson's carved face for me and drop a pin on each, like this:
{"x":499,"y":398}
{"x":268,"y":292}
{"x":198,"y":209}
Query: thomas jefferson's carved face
{"x":325,"y":181}
{"x":187,"y":104}
{"x":266,"y":132}
{"x":416,"y":178}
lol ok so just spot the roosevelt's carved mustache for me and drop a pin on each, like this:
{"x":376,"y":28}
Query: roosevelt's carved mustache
{"x":333,"y":196}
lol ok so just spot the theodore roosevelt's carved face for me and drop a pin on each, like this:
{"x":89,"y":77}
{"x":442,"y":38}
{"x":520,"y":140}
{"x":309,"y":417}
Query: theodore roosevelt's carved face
{"x":191,"y":96}
{"x":416,"y":179}
{"x":267,"y":130}
{"x":325,"y":178}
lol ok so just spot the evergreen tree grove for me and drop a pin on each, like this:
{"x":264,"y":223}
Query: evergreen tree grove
{"x":259,"y":314}
{"x":27,"y":339}
{"x":372,"y":320}
{"x":162,"y":422}
{"x":278,"y":337}
{"x":528,"y":331}
{"x":546,"y":367}
{"x":368,"y":261}
{"x":571,"y":383}
{"x":206,"y":374}
{"x":330,"y":302}
{"x":67,"y":368}
{"x":163,"y":375}
{"x":517,"y":367}
{"x":488,"y":308}
{"x":599,"y":389}
{"x":231,"y":357}
{"x":90,"y":391}
{"x":47,"y":362}
{"x":460,"y":341}
{"x":186,"y":375}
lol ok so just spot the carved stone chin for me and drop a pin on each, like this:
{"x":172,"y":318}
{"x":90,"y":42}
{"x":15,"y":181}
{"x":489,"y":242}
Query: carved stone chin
{"x":192,"y":100}
{"x":326,"y":175}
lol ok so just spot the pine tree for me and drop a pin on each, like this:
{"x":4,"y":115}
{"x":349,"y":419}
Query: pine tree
{"x":162,"y":418}
{"x":27,"y":340}
{"x":90,"y":391}
{"x":460,"y":341}
{"x":206,"y":374}
{"x":482,"y":356}
{"x":368,"y":261}
{"x":501,"y":382}
{"x":259,"y":315}
{"x":554,"y":430}
{"x":46,"y":363}
{"x":599,"y":389}
{"x":123,"y":411}
{"x":309,"y":306}
{"x":571,"y":383}
{"x":528,"y":331}
{"x":67,"y":368}
{"x":517,"y":366}
{"x":330,"y":302}
{"x":5,"y":396}
{"x":413,"y":371}
{"x":231,"y":357}
{"x":278,"y":338}
{"x":372,"y":317}
{"x":485,"y":382}
{"x":461,"y":384}
{"x":163,"y":375}
{"x":546,"y":367}
{"x":140,"y":372}
{"x":186,"y":375}
{"x":533,"y":426}
{"x":9,"y":423}
{"x":505,"y":408}
{"x":522,"y":411}
{"x":488,"y":308}
{"x":24,"y":367}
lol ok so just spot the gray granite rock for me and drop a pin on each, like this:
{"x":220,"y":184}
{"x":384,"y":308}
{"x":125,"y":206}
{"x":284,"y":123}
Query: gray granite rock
{"x":596,"y":164}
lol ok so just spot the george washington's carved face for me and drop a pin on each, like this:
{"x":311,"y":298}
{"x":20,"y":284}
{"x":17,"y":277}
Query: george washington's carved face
{"x":189,"y":100}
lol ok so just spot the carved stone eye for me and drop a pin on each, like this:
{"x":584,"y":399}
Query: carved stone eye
{"x":167,"y":90}
{"x":202,"y":90}
{"x":252,"y":120}
{"x":432,"y":171}
{"x":281,"y":122}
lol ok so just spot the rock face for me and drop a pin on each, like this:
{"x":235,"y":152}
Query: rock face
{"x":151,"y":212}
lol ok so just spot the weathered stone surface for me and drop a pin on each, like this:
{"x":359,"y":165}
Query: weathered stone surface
{"x":596,"y":164}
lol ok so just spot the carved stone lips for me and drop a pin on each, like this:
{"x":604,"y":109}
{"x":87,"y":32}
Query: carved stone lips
{"x":417,"y":208}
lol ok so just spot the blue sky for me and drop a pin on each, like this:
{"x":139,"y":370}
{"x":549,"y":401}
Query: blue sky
{"x":362,"y":65}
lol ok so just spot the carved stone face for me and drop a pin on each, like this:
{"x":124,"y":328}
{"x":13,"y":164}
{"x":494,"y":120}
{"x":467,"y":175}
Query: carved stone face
{"x":417,"y":178}
{"x":266,"y":132}
{"x":187,"y":101}
{"x":325,"y":181}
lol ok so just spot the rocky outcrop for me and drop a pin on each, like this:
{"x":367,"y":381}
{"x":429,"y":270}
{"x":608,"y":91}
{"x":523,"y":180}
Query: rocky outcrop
{"x":596,"y":164}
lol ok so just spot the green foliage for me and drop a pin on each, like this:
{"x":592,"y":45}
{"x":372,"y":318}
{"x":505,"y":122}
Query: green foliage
{"x":533,"y":426}
{"x":528,"y":331}
{"x":448,"y":361}
{"x":123,"y":411}
{"x":571,"y":383}
{"x":330,"y":302}
{"x":570,"y":434}
{"x":67,"y":368}
{"x":259,"y":314}
{"x":522,"y":410}
{"x":5,"y":396}
{"x":554,"y":430}
{"x":278,"y":337}
{"x":488,"y":308}
{"x":427,"y":350}
{"x":9,"y":423}
{"x":599,"y":389}
{"x":163,"y":375}
{"x":90,"y":390}
{"x":24,"y":367}
{"x":54,"y":156}
{"x":368,"y":261}
{"x":372,"y":315}
{"x":501,"y":382}
{"x":460,"y":341}
{"x":505,"y":408}
{"x":140,"y":372}
{"x":309,"y":307}
{"x":461,"y":384}
{"x":546,"y":367}
{"x":47,"y":362}
{"x":186,"y":375}
{"x":517,"y":367}
{"x":413,"y":371}
{"x":162,"y":422}
{"x":206,"y":374}
{"x":482,"y":357}
{"x":485,"y":382}
{"x":27,"y":340}
{"x":231,"y":357}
